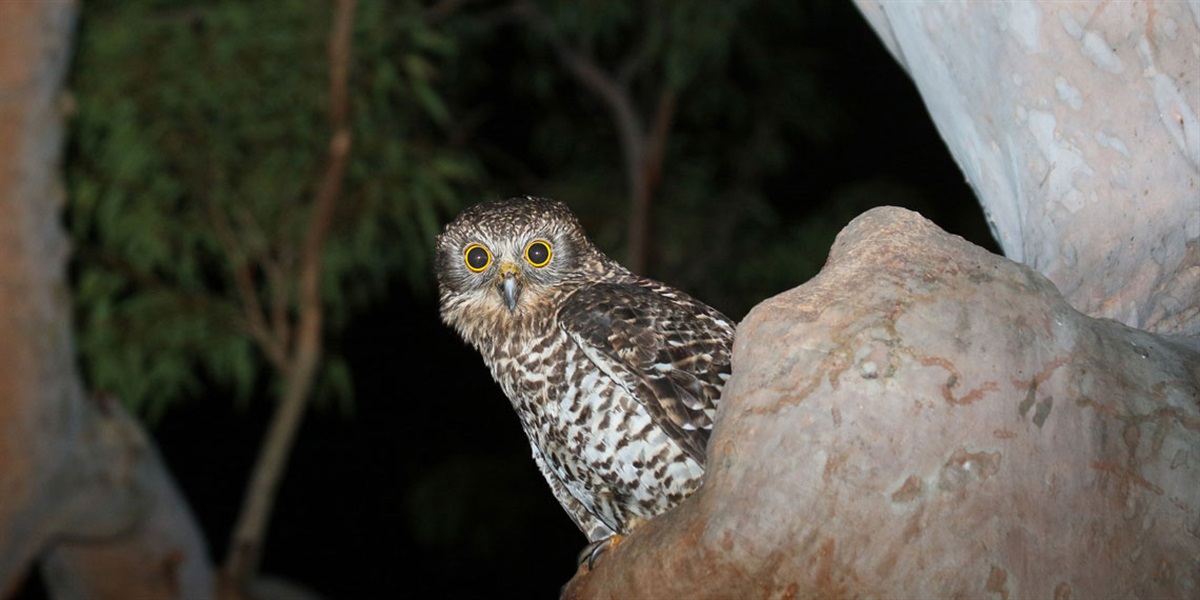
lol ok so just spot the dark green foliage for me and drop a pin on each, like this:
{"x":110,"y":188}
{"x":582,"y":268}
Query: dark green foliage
{"x":201,"y":132}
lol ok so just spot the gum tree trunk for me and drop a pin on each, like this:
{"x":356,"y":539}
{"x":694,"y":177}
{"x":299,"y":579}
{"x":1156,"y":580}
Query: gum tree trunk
{"x":82,"y":488}
{"x":1076,"y":124}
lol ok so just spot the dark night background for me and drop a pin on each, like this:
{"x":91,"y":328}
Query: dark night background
{"x":424,"y":487}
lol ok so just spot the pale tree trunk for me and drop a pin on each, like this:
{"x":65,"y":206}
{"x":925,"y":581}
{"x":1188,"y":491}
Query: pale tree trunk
{"x":81,"y":485}
{"x":926,"y":419}
{"x":1076,"y":123}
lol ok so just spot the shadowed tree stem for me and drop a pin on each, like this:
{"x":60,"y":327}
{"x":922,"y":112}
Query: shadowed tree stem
{"x":643,"y":151}
{"x":246,"y":544}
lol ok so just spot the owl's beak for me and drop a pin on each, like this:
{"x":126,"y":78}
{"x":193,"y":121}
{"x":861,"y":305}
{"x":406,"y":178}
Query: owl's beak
{"x":509,"y":285}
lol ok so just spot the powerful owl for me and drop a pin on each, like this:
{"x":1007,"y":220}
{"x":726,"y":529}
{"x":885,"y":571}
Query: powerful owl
{"x":615,"y":377}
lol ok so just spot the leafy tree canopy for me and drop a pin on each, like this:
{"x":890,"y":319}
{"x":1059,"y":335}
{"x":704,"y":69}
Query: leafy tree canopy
{"x":200,"y":135}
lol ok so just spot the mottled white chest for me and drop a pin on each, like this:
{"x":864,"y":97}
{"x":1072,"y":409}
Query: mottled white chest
{"x":591,"y":432}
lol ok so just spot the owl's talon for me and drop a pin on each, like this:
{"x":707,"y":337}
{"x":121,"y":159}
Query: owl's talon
{"x":593,"y":550}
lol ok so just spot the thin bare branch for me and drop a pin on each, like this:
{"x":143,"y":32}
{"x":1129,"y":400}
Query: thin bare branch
{"x":272,"y":259}
{"x":252,"y":239}
{"x":442,"y":10}
{"x":587,"y":72}
{"x":279,"y":295}
{"x":508,"y":14}
{"x":252,"y":315}
{"x":656,"y":146}
{"x":639,"y":53}
{"x":625,"y":117}
{"x":247,"y":542}
{"x":649,"y":175}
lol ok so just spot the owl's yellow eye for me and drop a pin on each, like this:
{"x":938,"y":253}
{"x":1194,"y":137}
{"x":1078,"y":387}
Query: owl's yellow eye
{"x":477,"y":258}
{"x":538,"y":253}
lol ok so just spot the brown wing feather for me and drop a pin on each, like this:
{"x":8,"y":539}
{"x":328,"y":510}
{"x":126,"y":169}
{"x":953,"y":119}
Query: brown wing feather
{"x":670,"y":351}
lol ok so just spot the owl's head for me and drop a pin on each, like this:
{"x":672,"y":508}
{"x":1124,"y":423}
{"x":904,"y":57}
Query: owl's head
{"x":498,"y":260}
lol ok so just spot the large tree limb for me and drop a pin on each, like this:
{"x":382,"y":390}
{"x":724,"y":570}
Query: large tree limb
{"x":1076,"y":123}
{"x":927,"y":420}
{"x":81,"y":486}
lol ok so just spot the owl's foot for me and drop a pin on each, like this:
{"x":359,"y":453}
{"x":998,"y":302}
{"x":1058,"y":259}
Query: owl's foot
{"x":593,"y":550}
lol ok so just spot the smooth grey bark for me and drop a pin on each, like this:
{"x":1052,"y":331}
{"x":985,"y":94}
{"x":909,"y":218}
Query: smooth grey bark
{"x":1076,"y":124}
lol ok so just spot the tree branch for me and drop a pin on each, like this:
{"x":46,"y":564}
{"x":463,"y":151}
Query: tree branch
{"x":246,"y":544}
{"x":630,"y":130}
{"x":591,"y":76}
{"x":650,"y":175}
{"x":639,"y":54}
{"x":656,"y":146}
{"x":442,"y":10}
{"x":253,"y":314}
{"x":278,"y":286}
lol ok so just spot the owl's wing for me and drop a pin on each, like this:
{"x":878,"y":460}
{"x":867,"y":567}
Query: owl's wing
{"x":669,"y":351}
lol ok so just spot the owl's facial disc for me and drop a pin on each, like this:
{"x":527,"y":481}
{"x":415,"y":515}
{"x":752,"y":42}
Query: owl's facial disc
{"x":509,"y":284}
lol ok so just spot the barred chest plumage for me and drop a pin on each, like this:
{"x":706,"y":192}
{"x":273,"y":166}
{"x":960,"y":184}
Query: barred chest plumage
{"x":615,"y":378}
{"x":588,"y":432}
